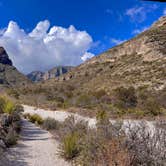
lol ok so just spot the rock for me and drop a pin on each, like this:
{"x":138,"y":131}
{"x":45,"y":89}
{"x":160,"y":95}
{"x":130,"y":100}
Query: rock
{"x":4,"y":58}
{"x":37,"y":76}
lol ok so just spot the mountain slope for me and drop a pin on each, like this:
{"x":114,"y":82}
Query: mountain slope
{"x":9,"y":75}
{"x":139,"y":63}
{"x":37,"y":76}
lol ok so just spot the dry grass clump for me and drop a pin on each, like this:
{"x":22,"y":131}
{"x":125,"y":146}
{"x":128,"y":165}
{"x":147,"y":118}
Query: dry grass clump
{"x":36,"y":119}
{"x":50,"y":124}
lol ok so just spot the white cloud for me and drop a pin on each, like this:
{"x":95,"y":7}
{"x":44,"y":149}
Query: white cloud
{"x":164,"y":12}
{"x":138,"y":31}
{"x":87,"y":56}
{"x":42,"y":49}
{"x":116,"y":41}
{"x":139,"y":13}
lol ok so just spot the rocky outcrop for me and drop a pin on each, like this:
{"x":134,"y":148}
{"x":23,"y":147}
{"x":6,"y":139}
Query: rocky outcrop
{"x":4,"y":58}
{"x":9,"y":75}
{"x":37,"y":76}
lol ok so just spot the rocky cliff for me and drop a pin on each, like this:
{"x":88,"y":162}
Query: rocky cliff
{"x":9,"y":75}
{"x":37,"y":76}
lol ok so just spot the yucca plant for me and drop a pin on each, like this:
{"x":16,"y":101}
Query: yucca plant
{"x":6,"y":105}
{"x":69,"y":148}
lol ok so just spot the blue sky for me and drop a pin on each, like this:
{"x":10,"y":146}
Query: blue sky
{"x":107,"y":22}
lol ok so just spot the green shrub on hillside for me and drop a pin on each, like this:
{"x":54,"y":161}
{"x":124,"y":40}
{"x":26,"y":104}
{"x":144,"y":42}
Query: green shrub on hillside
{"x":125,"y":97}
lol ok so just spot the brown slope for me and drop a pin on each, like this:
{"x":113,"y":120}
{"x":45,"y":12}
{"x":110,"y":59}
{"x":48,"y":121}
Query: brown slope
{"x":139,"y":61}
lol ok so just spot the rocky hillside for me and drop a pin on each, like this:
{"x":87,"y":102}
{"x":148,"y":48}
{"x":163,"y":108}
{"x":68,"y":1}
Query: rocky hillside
{"x":131,"y":75}
{"x":37,"y":76}
{"x":9,"y":75}
{"x":140,"y":61}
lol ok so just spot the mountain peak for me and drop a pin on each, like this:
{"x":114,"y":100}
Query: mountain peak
{"x":4,"y":58}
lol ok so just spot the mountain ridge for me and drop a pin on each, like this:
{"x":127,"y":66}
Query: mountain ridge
{"x":57,"y":71}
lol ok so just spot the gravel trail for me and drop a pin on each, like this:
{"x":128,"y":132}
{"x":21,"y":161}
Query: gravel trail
{"x":35,"y":148}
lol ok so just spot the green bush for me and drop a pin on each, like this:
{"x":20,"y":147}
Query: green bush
{"x":69,"y":147}
{"x":36,"y":119}
{"x":85,"y":101}
{"x":152,"y":107}
{"x":125,"y":97}
{"x":50,"y":124}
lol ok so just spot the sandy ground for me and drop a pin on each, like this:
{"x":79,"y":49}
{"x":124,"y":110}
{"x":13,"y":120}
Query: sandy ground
{"x":35,"y":148}
{"x":62,"y":115}
{"x":57,"y":115}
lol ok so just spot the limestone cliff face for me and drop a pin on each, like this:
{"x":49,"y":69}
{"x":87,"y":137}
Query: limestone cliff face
{"x":37,"y":76}
{"x":9,"y":75}
{"x":151,"y":44}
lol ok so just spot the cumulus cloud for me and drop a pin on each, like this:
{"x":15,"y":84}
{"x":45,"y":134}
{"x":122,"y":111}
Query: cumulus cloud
{"x":116,"y":41}
{"x":87,"y":56}
{"x":139,"y":13}
{"x":42,"y":48}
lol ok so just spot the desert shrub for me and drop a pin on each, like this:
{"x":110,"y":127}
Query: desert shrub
{"x":26,"y":115}
{"x":146,"y":146}
{"x":125,"y":97}
{"x":2,"y":104}
{"x":84,"y":101}
{"x":99,"y":149}
{"x":50,"y":124}
{"x":73,"y":125}
{"x":7,"y":106}
{"x":103,"y":124}
{"x":69,"y":147}
{"x":11,"y":137}
{"x":152,"y":107}
{"x":36,"y":119}
{"x":100,"y":93}
{"x":90,"y":146}
{"x":19,"y":108}
{"x":14,"y":93}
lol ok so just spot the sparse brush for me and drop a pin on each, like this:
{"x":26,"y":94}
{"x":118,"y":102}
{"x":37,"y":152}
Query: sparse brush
{"x":72,"y":125}
{"x":50,"y":124}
